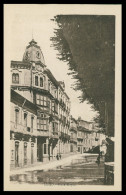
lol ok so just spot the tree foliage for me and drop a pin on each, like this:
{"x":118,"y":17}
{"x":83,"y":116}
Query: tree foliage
{"x":87,"y":44}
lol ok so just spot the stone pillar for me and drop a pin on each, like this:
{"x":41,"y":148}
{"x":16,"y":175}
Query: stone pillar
{"x":59,"y":146}
{"x":29,"y":152}
{"x":35,"y":151}
{"x":21,"y":153}
{"x":51,"y":153}
{"x":12,"y":151}
{"x":47,"y":145}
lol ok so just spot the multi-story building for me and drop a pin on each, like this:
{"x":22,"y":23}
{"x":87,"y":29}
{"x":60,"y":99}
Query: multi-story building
{"x":32,"y":80}
{"x":84,"y":135}
{"x":23,"y":131}
{"x":41,"y":126}
{"x":87,"y":136}
{"x":73,"y":135}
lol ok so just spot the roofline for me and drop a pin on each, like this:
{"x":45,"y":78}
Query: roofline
{"x":72,"y":118}
{"x":54,"y":79}
{"x":84,"y":121}
{"x":21,"y":62}
{"x":18,"y":100}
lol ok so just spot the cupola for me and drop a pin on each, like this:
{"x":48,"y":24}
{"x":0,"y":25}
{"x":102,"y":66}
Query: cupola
{"x":33,"y":53}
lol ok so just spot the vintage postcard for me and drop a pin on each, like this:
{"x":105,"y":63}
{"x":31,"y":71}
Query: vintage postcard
{"x":62,"y":97}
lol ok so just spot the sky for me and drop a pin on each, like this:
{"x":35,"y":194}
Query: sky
{"x":24,"y":22}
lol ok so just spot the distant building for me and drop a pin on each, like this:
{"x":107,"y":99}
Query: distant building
{"x":84,"y":136}
{"x":88,"y":137}
{"x":73,"y":135}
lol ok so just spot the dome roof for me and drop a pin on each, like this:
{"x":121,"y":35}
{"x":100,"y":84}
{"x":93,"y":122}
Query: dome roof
{"x":33,"y":53}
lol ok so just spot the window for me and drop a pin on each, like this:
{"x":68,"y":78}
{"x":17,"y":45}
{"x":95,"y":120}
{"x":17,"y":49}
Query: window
{"x":36,"y":80}
{"x":25,"y":119}
{"x":53,"y":127}
{"x":49,"y":85}
{"x":41,"y":82}
{"x":16,"y":116}
{"x":15,"y":78}
{"x":42,"y":100}
{"x":53,"y":106}
{"x":32,"y":119}
{"x":42,"y":124}
{"x":56,"y":108}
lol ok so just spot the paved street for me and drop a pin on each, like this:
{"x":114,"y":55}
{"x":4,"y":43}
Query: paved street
{"x":74,"y":170}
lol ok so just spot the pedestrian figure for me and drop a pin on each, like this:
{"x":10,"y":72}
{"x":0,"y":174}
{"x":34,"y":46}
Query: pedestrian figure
{"x":98,"y":160}
{"x":60,"y":156}
{"x":57,"y":156}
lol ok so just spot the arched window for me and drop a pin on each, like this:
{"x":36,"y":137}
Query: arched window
{"x":36,"y":80}
{"x":41,"y":82}
{"x":15,"y":78}
{"x":49,"y":86}
{"x":25,"y":119}
{"x":16,"y":116}
{"x":32,"y":119}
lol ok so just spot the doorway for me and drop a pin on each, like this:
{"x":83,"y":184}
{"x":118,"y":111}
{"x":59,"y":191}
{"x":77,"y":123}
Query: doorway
{"x":16,"y":154}
{"x":39,"y":152}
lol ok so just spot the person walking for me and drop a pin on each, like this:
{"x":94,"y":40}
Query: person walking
{"x":57,"y":156}
{"x":60,"y":156}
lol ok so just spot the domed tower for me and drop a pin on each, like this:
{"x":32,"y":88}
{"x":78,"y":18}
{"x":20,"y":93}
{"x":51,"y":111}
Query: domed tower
{"x":33,"y":53}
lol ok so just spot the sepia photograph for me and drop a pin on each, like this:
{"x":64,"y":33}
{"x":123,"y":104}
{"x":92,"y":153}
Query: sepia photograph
{"x":62,"y":84}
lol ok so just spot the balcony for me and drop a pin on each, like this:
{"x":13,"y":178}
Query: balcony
{"x":73,"y":139}
{"x":54,"y":135}
{"x":22,"y":129}
{"x":79,"y":137}
{"x":61,"y":102}
{"x":67,"y":136}
{"x":59,"y":133}
{"x":42,"y":133}
{"x":64,"y":136}
{"x":73,"y":128}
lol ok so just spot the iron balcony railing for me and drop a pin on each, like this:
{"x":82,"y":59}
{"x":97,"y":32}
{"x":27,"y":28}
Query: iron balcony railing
{"x":22,"y":129}
{"x":27,"y":130}
{"x":73,"y":128}
{"x":54,"y":135}
{"x":79,"y":136}
{"x":43,"y":133}
{"x":73,"y":139}
{"x":63,"y":135}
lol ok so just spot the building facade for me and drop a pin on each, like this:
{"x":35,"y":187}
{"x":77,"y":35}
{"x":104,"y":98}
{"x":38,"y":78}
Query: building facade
{"x":73,"y":135}
{"x":32,"y":80}
{"x":88,"y":136}
{"x":23,"y":131}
